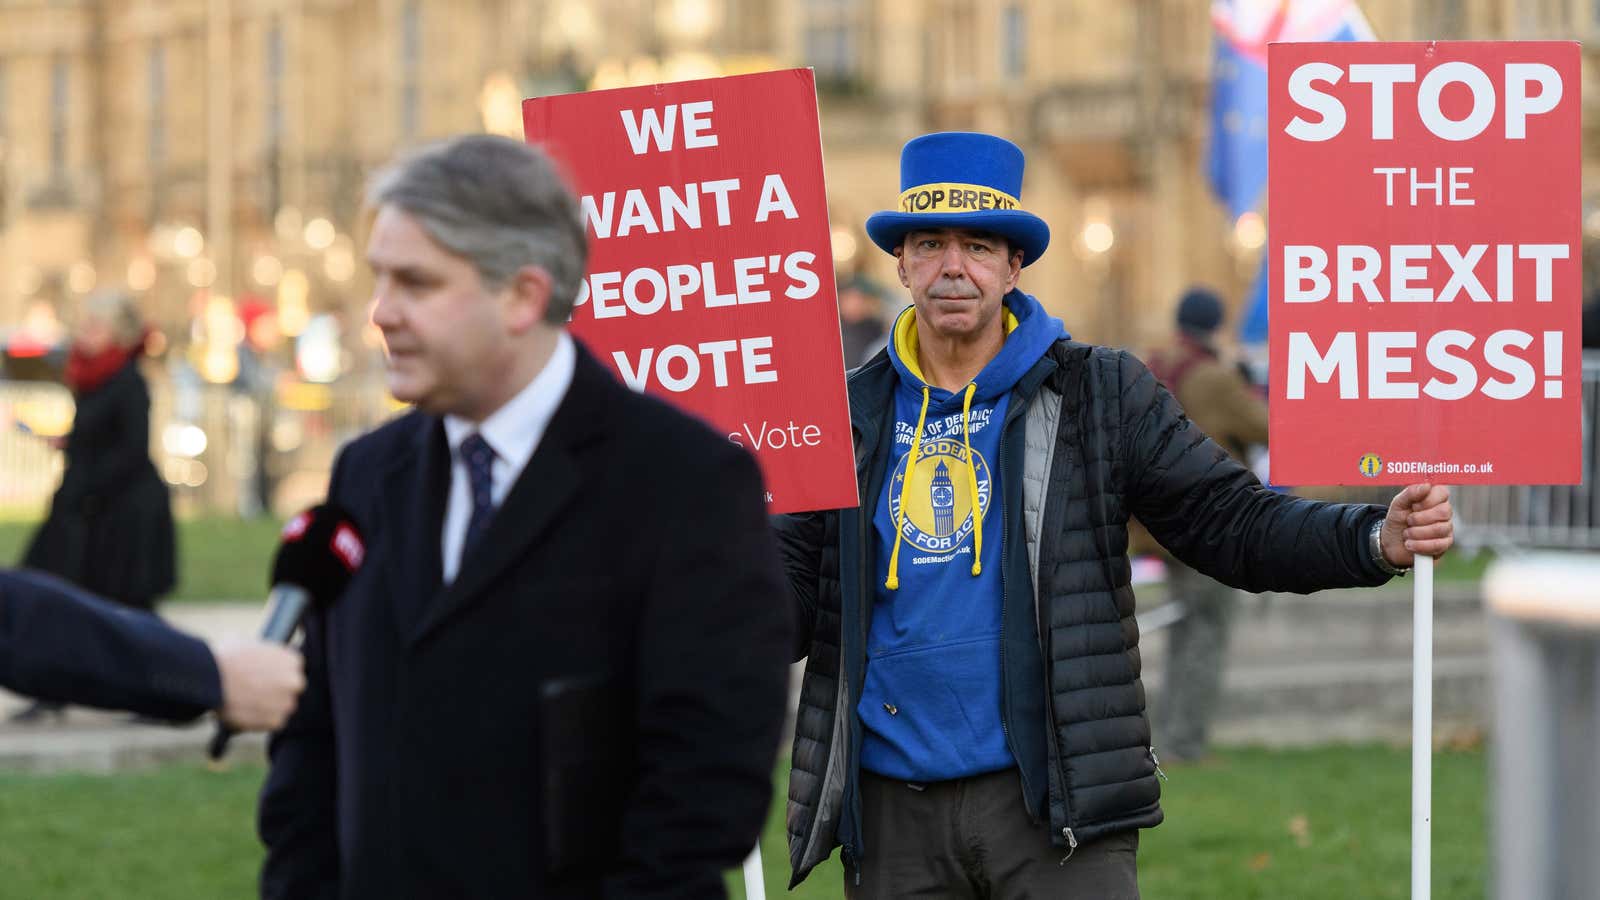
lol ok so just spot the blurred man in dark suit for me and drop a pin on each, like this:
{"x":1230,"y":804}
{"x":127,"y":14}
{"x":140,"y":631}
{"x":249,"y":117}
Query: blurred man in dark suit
{"x":560,"y":672}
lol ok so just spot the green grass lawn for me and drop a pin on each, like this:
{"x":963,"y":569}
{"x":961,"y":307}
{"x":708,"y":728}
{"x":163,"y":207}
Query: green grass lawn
{"x":1325,"y":824}
{"x":173,"y":832}
{"x":219,"y":558}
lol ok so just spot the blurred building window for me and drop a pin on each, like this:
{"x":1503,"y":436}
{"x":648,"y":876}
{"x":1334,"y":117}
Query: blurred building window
{"x":1538,"y":18}
{"x":410,"y":63}
{"x":831,"y":49}
{"x":60,"y":101}
{"x":832,"y":43}
{"x":1441,"y":20}
{"x":1013,"y":41}
{"x":958,"y":62}
{"x":156,"y":84}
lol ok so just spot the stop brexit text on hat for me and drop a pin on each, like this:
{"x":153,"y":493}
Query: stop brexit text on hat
{"x":961,"y":179}
{"x":710,"y":277}
{"x":1423,"y":204}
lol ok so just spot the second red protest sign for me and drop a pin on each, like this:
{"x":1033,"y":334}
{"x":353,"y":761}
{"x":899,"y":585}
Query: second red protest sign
{"x":710,"y":278}
{"x":1423,"y":203}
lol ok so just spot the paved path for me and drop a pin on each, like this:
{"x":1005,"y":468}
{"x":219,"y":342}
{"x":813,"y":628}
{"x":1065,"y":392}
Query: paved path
{"x":1334,"y":666}
{"x":95,"y":741}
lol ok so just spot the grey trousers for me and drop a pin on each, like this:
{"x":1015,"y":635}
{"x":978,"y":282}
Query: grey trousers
{"x":972,"y":839}
{"x":1197,"y":649}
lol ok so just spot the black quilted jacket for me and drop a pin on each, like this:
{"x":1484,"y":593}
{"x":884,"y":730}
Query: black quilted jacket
{"x":1120,"y":446}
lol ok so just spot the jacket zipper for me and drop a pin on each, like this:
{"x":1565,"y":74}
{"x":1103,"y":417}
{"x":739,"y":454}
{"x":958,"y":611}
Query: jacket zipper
{"x":1072,"y":845}
{"x":1005,"y":593}
{"x":1157,"y":760}
{"x":1076,"y":457}
{"x":864,"y":589}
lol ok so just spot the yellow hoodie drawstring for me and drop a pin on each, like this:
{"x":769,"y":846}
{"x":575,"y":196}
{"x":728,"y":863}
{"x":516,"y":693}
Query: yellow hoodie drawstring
{"x":972,"y":479}
{"x":893,"y":582}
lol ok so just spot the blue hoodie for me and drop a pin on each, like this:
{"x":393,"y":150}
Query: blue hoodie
{"x":930,"y":704}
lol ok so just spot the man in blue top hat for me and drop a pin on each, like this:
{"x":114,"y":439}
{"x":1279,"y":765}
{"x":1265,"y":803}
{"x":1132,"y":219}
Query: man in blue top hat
{"x":972,"y":722}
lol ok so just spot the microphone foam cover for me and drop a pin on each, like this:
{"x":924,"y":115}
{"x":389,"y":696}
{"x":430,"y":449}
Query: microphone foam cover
{"x":320,"y":550}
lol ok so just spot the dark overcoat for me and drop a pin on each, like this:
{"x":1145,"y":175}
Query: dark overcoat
{"x":591,"y":709}
{"x":110,"y":529}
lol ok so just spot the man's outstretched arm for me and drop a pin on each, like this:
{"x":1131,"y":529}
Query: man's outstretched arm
{"x":63,"y":644}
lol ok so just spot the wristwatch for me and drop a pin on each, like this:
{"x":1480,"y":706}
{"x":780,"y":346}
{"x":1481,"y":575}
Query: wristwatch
{"x":1375,"y":547}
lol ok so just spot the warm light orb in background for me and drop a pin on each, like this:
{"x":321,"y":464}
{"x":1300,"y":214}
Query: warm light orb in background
{"x":500,"y":106}
{"x":160,"y":239}
{"x":575,"y":25}
{"x":293,"y":311}
{"x":1098,"y":237}
{"x":187,"y":242}
{"x":218,"y":356}
{"x":631,"y":72}
{"x":688,"y":20}
{"x":690,"y":67}
{"x":317,"y":351}
{"x":1250,"y":231}
{"x":844,"y":245}
{"x":320,"y":234}
{"x":340,"y":262}
{"x":266,"y":270}
{"x":183,"y":440}
{"x":222,"y":324}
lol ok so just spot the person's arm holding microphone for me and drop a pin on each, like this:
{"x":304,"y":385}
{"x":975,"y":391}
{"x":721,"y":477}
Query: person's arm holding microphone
{"x":61,"y":643}
{"x":319,"y":551}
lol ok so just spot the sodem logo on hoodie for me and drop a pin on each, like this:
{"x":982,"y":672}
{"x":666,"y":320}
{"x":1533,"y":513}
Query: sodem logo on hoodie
{"x":938,"y":509}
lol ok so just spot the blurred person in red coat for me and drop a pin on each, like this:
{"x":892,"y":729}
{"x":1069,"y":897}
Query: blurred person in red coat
{"x":110,"y":528}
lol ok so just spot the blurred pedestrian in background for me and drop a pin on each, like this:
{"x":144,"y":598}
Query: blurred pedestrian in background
{"x":862,"y":324}
{"x":1217,"y":398}
{"x":257,"y":379}
{"x":109,"y":529}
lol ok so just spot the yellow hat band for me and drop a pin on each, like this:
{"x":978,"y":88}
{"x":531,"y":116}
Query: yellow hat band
{"x":951,"y":197}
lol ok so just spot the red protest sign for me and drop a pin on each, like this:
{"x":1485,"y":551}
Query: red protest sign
{"x":1423,"y":204}
{"x":710,"y":279}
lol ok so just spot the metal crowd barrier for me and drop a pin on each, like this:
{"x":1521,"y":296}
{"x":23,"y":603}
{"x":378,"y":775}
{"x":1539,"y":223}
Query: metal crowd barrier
{"x":1566,"y":517}
{"x":211,"y":443}
{"x":30,"y":468}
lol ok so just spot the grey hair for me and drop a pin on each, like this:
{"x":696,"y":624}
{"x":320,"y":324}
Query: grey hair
{"x":500,"y":204}
{"x":119,"y":311}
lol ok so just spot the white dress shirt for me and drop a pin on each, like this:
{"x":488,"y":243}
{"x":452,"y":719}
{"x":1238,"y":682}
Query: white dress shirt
{"x":513,"y":432}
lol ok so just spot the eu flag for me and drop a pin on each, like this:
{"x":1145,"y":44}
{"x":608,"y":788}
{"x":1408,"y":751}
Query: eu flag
{"x":1236,"y":164}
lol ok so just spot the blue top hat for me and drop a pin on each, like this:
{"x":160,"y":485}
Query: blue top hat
{"x":961,"y":179}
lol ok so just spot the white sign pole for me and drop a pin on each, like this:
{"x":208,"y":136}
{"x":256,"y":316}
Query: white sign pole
{"x":754,"y":887}
{"x":1422,"y":730}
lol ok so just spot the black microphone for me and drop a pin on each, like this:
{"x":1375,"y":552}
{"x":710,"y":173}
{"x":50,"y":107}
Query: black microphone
{"x":320,"y":550}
